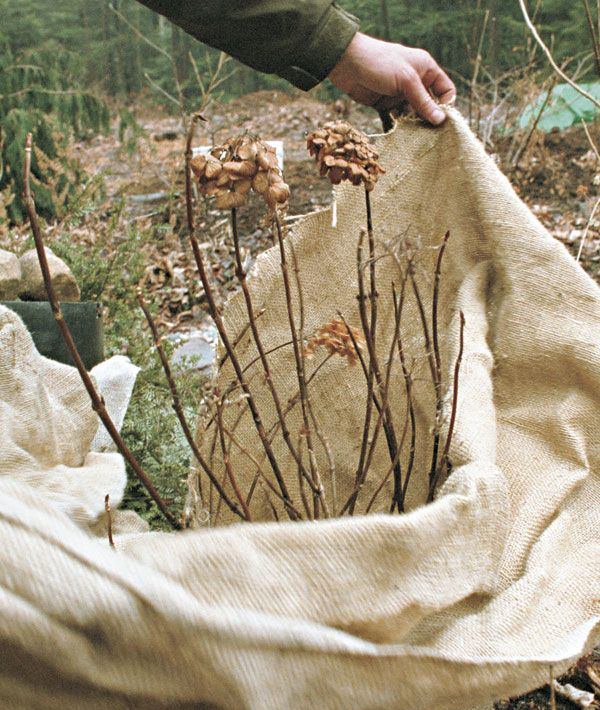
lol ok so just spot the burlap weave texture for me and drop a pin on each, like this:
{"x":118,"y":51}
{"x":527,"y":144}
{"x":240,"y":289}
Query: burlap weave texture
{"x":447,"y":607}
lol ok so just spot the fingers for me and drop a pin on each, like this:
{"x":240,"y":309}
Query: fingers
{"x":440,"y":84}
{"x":420,"y":99}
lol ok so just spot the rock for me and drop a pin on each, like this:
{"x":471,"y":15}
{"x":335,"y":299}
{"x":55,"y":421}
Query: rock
{"x":197,"y":352}
{"x":10,"y":276}
{"x":32,"y":288}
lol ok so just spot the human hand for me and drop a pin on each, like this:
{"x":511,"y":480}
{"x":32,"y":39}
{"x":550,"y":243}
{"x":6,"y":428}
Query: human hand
{"x":383,"y":74}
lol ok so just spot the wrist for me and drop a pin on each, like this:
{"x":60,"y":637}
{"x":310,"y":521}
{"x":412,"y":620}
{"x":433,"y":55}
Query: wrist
{"x":349,"y":63}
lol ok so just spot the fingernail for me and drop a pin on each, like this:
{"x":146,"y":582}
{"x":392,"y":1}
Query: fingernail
{"x":437,"y":116}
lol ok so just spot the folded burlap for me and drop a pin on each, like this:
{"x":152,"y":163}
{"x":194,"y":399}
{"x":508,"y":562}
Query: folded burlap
{"x":448,"y":607}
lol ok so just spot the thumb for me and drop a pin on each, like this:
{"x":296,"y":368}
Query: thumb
{"x":421,"y":101}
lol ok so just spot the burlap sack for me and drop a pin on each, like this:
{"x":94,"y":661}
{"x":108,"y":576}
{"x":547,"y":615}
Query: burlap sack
{"x":447,"y":607}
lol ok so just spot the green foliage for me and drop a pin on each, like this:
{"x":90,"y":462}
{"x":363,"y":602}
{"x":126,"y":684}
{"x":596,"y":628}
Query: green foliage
{"x":108,"y":268}
{"x":130,"y":131}
{"x":40,"y":93}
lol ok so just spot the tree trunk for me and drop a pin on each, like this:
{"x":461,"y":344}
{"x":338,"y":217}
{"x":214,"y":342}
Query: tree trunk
{"x":385,"y":17}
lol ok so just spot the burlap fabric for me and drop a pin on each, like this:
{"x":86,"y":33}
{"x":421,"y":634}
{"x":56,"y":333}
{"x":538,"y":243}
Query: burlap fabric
{"x":456,"y":603}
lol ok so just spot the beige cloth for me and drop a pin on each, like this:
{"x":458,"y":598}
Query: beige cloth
{"x":456,"y":603}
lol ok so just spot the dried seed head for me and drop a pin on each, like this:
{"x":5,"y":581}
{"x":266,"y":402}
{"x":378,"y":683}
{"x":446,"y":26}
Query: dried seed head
{"x":240,"y":164}
{"x":336,"y":339}
{"x":343,"y":152}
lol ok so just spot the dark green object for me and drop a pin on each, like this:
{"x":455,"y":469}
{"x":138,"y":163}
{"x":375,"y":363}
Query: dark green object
{"x":84,"y":321}
{"x":298,"y":41}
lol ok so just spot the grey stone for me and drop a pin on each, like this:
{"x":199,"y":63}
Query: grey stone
{"x":33,"y":288}
{"x":10,"y":276}
{"x":196,"y":351}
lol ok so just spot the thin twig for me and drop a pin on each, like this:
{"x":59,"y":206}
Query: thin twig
{"x":587,"y":229}
{"x":234,"y":383}
{"x":524,"y":145}
{"x":309,"y":513}
{"x":109,"y":530}
{"x":593,"y":34}
{"x":589,"y":137}
{"x":260,"y":473}
{"x":410,"y":406}
{"x":293,"y":401}
{"x":227,"y":464}
{"x":423,"y":317}
{"x":314,"y":469}
{"x":180,"y":101}
{"x":476,"y":68}
{"x":216,"y":316}
{"x":436,"y":355}
{"x":240,"y":337}
{"x":552,"y":689}
{"x":397,"y":494}
{"x":550,"y":58}
{"x":432,"y":368}
{"x":370,"y":374}
{"x":178,"y":408}
{"x":361,"y":359}
{"x":243,"y":280}
{"x":97,"y":401}
{"x":373,"y":374}
{"x":318,"y":429}
{"x":444,"y":461}
{"x":391,"y":469}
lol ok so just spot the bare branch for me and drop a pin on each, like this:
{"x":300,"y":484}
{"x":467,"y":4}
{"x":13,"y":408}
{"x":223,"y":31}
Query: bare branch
{"x":177,"y":407}
{"x":97,"y":401}
{"x":550,"y":58}
{"x":217,"y":318}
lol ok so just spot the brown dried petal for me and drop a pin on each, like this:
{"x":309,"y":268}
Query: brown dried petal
{"x":229,"y":200}
{"x":197,"y":165}
{"x":336,"y":175}
{"x":248,"y":151}
{"x":260,"y":182}
{"x":242,"y":186}
{"x":245,"y":168}
{"x":280,"y":193}
{"x":270,"y":200}
{"x":213,"y":168}
{"x":223,"y":179}
{"x":210,"y":188}
{"x":263,"y":160}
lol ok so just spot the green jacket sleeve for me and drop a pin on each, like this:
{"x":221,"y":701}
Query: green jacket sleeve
{"x":300,"y":40}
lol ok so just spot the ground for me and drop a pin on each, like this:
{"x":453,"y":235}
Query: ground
{"x":127,"y":230}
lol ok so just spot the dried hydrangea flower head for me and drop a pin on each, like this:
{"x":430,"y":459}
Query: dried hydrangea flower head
{"x":241,"y":164}
{"x":343,"y":152}
{"x":334,"y":337}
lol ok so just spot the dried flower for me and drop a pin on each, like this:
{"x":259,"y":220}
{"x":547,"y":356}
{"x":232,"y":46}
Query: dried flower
{"x":334,"y":337}
{"x":241,"y":164}
{"x":343,"y":152}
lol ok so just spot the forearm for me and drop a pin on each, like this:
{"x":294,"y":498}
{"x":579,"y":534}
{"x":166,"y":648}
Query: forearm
{"x":300,"y":40}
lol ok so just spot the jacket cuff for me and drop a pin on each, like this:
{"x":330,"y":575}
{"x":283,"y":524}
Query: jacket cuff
{"x":325,"y":49}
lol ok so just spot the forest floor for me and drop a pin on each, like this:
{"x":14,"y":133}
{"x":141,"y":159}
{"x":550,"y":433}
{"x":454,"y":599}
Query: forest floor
{"x":128,"y":230}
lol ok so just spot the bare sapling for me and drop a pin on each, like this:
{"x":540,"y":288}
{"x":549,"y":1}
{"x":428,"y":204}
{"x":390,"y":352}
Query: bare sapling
{"x":109,"y":529}
{"x":344,"y":153}
{"x":250,"y":164}
{"x":209,"y":173}
{"x":96,"y":399}
{"x":178,"y":409}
